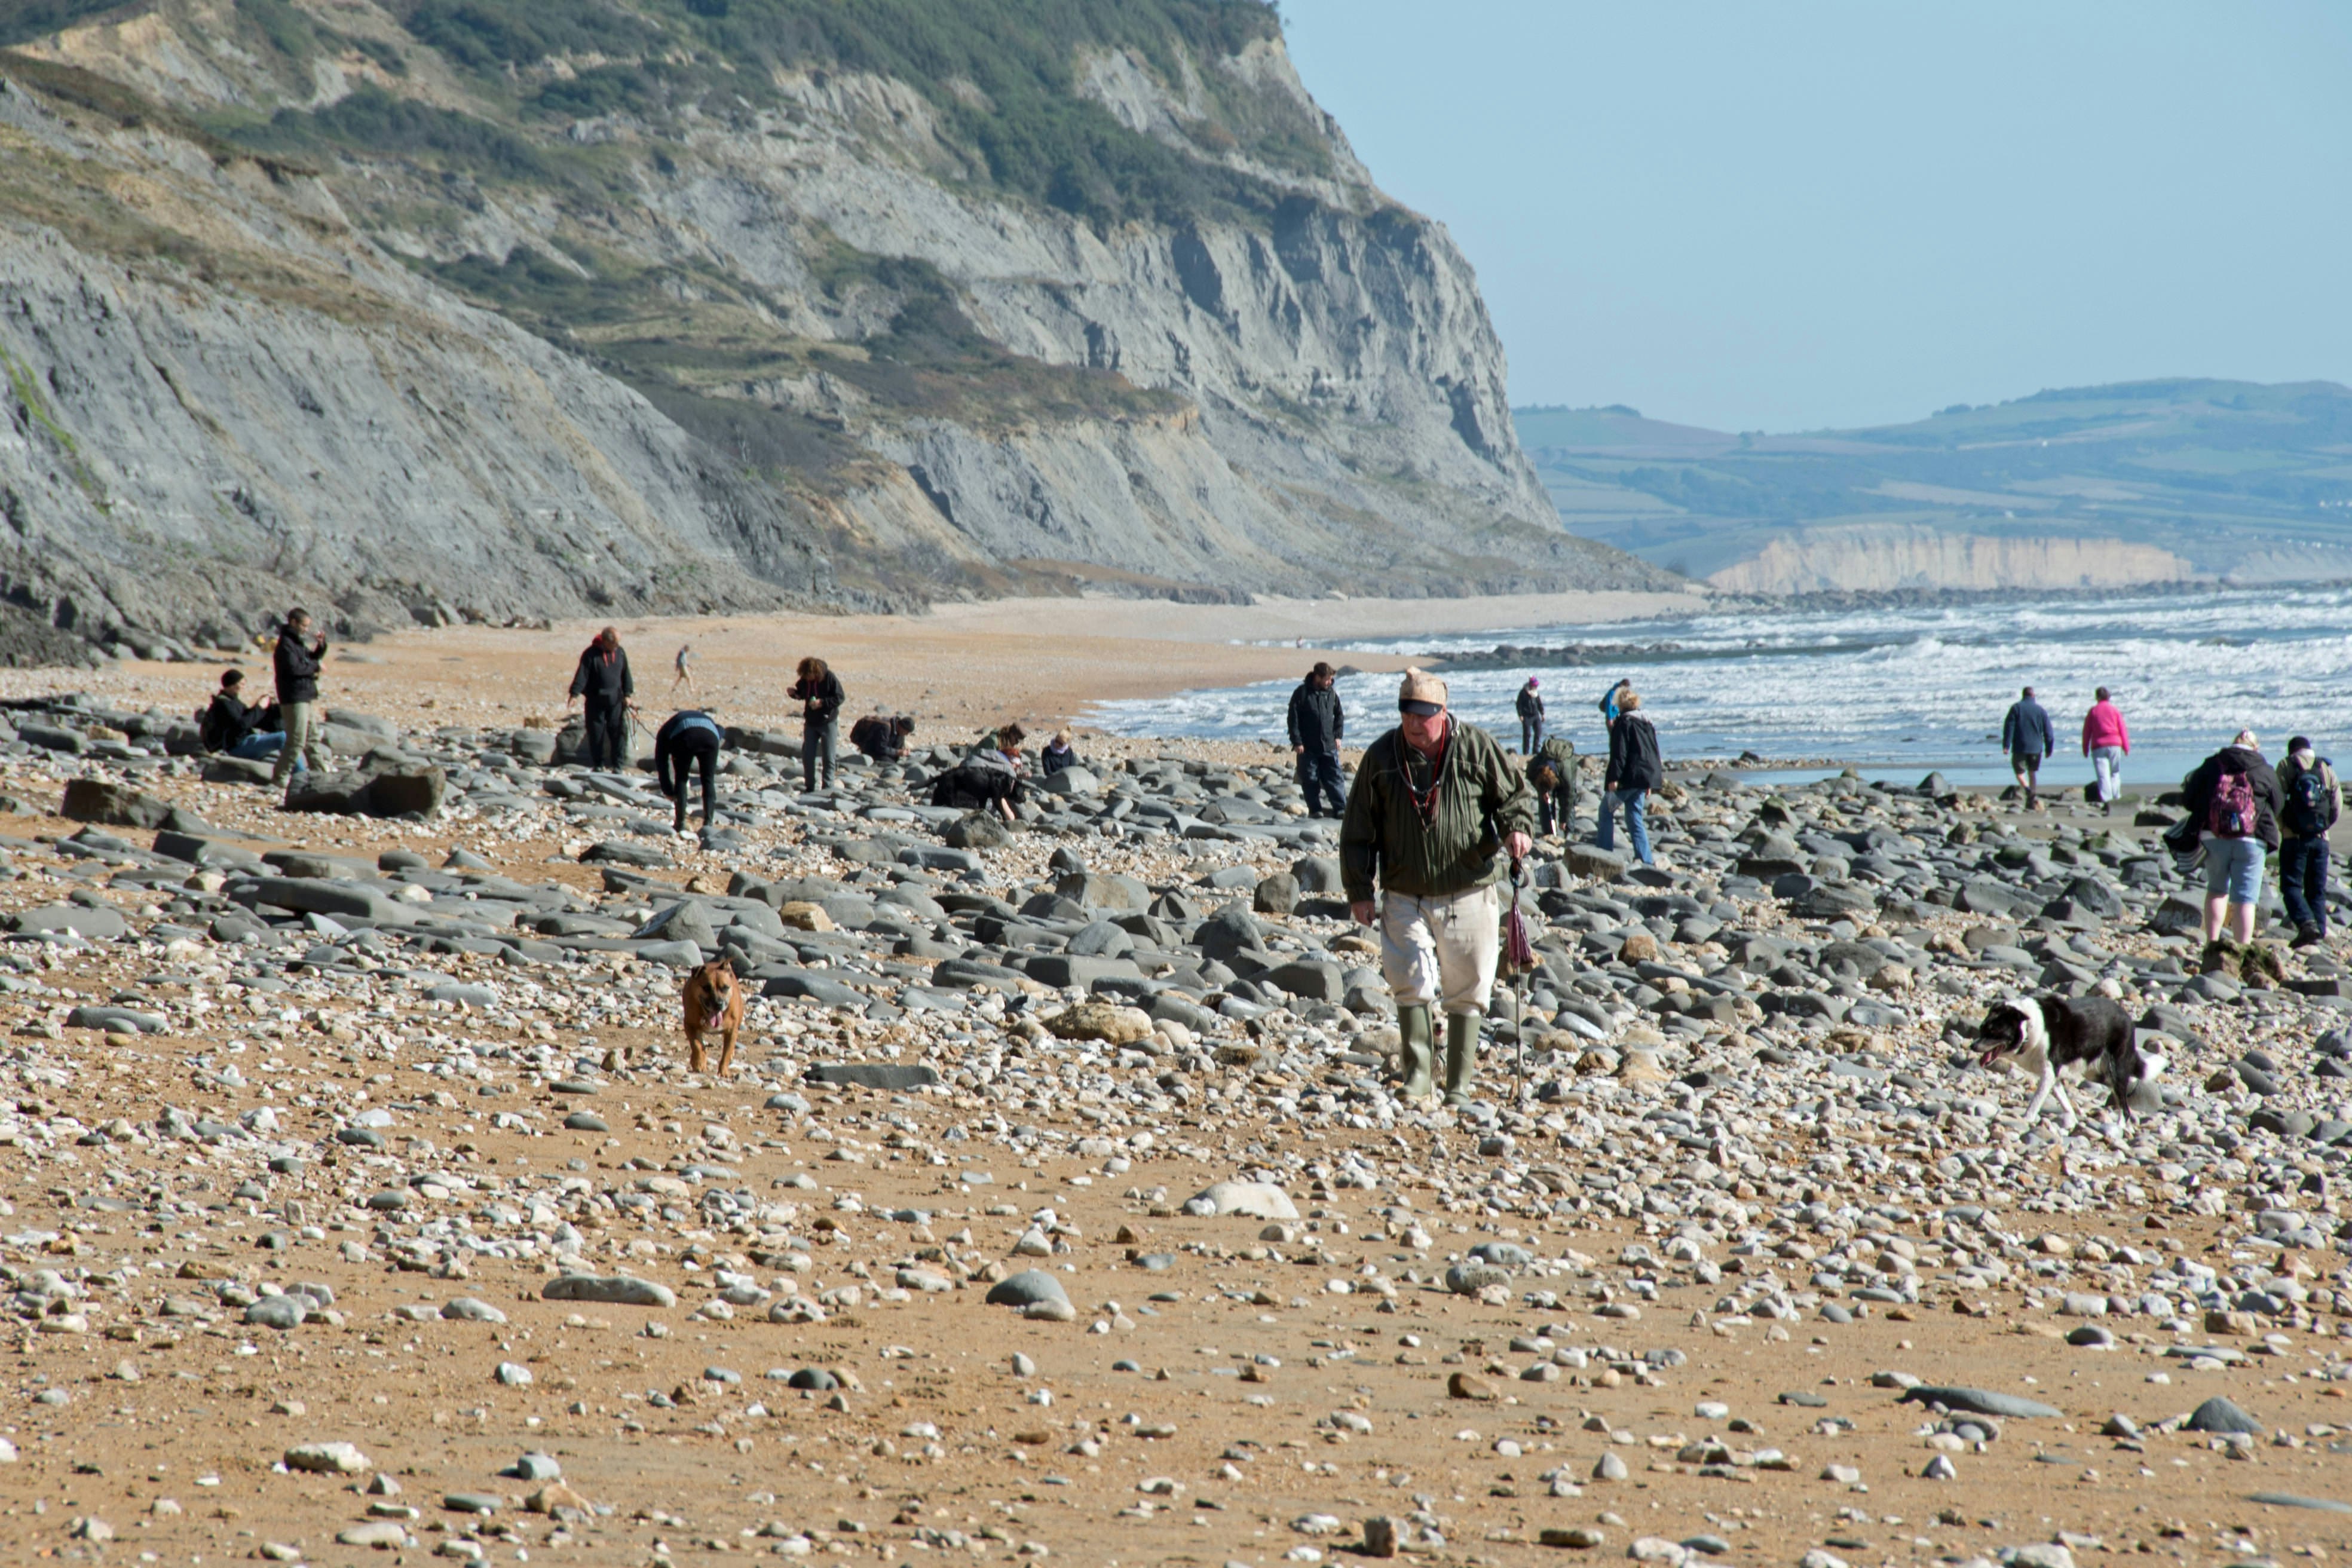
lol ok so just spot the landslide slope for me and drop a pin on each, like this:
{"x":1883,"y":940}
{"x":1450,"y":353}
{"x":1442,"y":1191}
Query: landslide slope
{"x":497,"y":308}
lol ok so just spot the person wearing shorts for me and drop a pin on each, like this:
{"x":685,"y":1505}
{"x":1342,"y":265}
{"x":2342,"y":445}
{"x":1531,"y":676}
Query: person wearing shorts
{"x":2233,"y":795}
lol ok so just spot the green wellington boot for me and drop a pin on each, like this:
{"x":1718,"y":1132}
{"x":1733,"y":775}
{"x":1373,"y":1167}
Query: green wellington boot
{"x":1420,"y":1053}
{"x":1461,"y":1055}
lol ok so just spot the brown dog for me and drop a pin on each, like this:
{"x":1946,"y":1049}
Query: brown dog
{"x":713,"y":999}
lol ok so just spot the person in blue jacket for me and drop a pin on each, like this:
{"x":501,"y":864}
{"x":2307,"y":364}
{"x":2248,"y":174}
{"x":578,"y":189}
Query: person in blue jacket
{"x":2027,"y":737}
{"x":688,"y":739}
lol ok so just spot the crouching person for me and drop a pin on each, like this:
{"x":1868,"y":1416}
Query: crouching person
{"x":1434,"y":808}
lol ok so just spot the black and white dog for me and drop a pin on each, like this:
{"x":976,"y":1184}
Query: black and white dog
{"x":2047,"y":1035}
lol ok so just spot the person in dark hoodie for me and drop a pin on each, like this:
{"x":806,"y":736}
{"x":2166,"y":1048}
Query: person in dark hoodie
{"x":1316,"y":723}
{"x":228,"y":725}
{"x":2314,"y":801}
{"x":2027,"y":737}
{"x":295,"y":664}
{"x":2234,"y":797}
{"x":604,"y":681}
{"x":1634,"y":770}
{"x":1530,"y":709}
{"x":689,"y":740}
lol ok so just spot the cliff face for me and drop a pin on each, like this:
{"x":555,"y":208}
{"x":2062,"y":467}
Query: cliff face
{"x":409,"y":308}
{"x":1870,"y":557}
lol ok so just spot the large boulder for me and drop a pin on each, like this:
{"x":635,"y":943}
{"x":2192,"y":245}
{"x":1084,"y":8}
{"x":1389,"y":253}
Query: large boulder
{"x":116,"y":805}
{"x":381,"y":789}
{"x":978,"y":830}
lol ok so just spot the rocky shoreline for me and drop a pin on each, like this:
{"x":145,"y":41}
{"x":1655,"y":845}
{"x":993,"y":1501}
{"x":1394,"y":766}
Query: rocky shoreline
{"x":1061,"y":1202}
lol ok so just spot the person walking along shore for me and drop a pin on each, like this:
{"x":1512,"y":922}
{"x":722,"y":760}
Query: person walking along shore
{"x":1434,"y":807}
{"x":1317,"y":721}
{"x":2026,"y":736}
{"x":2106,"y":741}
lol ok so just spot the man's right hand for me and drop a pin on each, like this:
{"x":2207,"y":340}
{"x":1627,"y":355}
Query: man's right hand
{"x":1361,"y":911}
{"x":1297,"y":751}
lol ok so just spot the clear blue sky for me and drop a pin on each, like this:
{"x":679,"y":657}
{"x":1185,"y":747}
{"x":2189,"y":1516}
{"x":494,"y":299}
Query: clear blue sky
{"x":1799,"y":214}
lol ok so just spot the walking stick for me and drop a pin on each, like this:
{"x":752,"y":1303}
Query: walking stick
{"x":1519,"y":958}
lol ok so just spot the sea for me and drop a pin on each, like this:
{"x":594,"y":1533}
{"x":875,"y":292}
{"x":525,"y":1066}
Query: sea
{"x":1894,"y":691}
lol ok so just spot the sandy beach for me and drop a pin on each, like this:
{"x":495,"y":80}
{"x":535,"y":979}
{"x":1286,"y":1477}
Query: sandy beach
{"x":1036,"y":661}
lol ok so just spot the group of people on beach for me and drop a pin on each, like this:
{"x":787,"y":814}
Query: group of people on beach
{"x":1434,"y":813}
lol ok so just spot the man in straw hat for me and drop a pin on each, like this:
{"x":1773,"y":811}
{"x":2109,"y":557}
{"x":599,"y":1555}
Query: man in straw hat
{"x":1433,"y":806}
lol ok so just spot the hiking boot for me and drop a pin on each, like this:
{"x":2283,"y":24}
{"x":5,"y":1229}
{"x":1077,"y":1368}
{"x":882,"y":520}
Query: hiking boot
{"x":2308,"y":936}
{"x":1461,"y":1055}
{"x":1419,"y":1053}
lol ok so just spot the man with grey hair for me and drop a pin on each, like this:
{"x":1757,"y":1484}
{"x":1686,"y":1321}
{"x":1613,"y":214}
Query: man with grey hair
{"x":1434,"y":808}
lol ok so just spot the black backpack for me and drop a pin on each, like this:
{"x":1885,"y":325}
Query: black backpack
{"x":2307,"y":802}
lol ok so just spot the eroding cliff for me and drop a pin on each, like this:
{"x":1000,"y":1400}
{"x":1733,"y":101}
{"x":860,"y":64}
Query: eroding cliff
{"x":1878,"y":558}
{"x":418,"y":310}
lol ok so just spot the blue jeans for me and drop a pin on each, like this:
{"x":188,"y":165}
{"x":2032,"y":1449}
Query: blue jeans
{"x":268,"y":743}
{"x":2303,"y":883}
{"x":1637,"y":822}
{"x":1319,"y":774}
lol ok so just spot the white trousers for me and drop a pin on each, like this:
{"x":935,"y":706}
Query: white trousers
{"x":2107,"y":762}
{"x":1442,"y":950}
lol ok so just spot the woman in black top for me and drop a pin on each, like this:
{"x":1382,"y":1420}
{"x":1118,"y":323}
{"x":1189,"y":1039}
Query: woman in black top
{"x":819,"y":694}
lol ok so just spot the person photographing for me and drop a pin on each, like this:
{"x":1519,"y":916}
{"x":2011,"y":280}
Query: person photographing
{"x":1435,"y":809}
{"x":296,"y":663}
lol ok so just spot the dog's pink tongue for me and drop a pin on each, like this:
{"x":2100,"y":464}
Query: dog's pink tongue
{"x":714,"y":1017}
{"x":1986,"y":1059}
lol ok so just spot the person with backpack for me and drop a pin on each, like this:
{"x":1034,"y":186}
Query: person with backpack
{"x":2234,"y":797}
{"x":2026,"y":736}
{"x":1612,"y":700}
{"x":2106,"y":741}
{"x":2313,"y":800}
{"x":1531,"y":717}
{"x":1633,"y":771}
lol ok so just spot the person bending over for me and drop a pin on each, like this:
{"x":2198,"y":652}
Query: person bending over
{"x":689,"y":740}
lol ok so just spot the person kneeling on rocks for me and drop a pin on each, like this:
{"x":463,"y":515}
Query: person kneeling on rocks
{"x":689,"y":740}
{"x":1434,"y":806}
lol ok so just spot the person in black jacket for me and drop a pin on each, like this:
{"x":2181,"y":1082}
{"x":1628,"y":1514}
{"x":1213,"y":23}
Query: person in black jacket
{"x":2027,"y":737}
{"x":1633,"y":771}
{"x":2234,"y":798}
{"x":688,"y":739}
{"x":228,"y":725}
{"x":1056,"y":754}
{"x":819,"y":694}
{"x":296,"y":663}
{"x":2314,"y":801}
{"x":1316,"y":723}
{"x":604,"y":679}
{"x":1531,"y":717}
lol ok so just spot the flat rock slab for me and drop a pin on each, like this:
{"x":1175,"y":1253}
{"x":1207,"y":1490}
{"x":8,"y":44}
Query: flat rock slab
{"x":1031,"y":1285}
{"x":613,"y":1289}
{"x":2218,"y":1414}
{"x":327,"y":1459}
{"x":122,"y":1020}
{"x":2289,"y":1499}
{"x":875,"y":1075}
{"x":1254,"y":1200}
{"x":1980,"y":1400}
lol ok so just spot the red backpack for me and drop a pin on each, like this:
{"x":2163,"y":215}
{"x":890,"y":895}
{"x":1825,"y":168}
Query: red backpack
{"x":2230,"y":813}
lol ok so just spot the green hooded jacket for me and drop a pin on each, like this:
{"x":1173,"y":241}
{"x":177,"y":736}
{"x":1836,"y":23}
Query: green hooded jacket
{"x":1481,"y":799}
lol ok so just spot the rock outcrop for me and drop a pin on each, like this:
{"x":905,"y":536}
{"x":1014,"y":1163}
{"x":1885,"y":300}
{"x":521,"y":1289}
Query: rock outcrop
{"x":366,"y":307}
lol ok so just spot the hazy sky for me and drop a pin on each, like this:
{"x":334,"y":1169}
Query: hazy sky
{"x":1791,"y":215}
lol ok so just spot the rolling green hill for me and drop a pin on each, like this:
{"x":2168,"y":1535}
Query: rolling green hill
{"x":2136,"y":482}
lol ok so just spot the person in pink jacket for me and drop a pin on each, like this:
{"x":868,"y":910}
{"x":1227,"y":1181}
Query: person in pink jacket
{"x":2106,"y":742}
